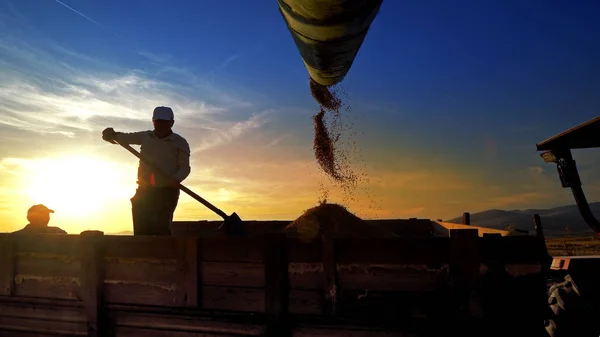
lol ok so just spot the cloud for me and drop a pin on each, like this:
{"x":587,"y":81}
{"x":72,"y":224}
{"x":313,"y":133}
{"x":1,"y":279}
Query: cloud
{"x":55,"y":91}
{"x":537,"y":170}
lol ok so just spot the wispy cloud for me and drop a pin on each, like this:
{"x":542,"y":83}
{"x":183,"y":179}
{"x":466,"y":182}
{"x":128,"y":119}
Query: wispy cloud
{"x":44,"y":93}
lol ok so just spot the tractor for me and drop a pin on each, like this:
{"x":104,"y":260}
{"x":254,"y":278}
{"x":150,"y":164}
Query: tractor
{"x":574,"y":299}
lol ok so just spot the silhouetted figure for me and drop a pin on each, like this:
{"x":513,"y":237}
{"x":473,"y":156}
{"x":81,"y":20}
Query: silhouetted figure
{"x":39,"y":217}
{"x":156,"y":197}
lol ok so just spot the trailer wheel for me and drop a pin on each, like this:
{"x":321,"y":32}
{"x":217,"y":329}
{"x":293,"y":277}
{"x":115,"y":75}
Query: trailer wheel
{"x":571,"y":315}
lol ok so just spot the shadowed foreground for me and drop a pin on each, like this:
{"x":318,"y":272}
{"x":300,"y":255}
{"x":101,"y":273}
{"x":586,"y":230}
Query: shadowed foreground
{"x":414,"y":284}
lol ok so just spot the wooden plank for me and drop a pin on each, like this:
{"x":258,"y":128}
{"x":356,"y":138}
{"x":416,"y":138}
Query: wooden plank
{"x":232,"y":249}
{"x":416,"y":250}
{"x":14,"y":333}
{"x":365,"y":305}
{"x":7,"y":265}
{"x":389,"y":277}
{"x":47,"y":265}
{"x":92,"y":281}
{"x":41,"y":302}
{"x":306,"y":302}
{"x":440,"y":230}
{"x":213,"y":297}
{"x":306,"y":275}
{"x":203,"y":228}
{"x":155,"y":332}
{"x":403,"y":227}
{"x":330,"y":286}
{"x":40,"y":316}
{"x":380,"y":250}
{"x":136,"y":269}
{"x":67,"y":312}
{"x":277,"y":286}
{"x":146,"y":247}
{"x":347,"y":332}
{"x":142,"y":293}
{"x":51,"y":326}
{"x":233,"y":274}
{"x":47,"y":287}
{"x":233,"y":299}
{"x":444,"y":228}
{"x":183,"y":322}
{"x":47,"y":244}
{"x":377,"y":307}
{"x":305,"y":250}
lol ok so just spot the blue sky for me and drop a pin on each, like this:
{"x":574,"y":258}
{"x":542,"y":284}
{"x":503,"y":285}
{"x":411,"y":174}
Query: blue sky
{"x":444,"y":96}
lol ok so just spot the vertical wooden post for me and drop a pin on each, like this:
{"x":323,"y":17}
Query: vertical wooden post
{"x":465,"y":261}
{"x":277,"y":288}
{"x":189,"y":266}
{"x":330,"y":275}
{"x":7,"y":265}
{"x":466,"y":218}
{"x":546,"y":259}
{"x":92,"y":281}
{"x":537,"y":225}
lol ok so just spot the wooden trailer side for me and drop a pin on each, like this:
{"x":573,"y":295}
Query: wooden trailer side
{"x":270,"y":285}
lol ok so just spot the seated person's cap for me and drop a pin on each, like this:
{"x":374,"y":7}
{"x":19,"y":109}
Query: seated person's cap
{"x":39,"y":209}
{"x":163,"y":113}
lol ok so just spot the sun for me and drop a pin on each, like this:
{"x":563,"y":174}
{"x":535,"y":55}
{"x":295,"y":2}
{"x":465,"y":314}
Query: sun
{"x":77,"y":186}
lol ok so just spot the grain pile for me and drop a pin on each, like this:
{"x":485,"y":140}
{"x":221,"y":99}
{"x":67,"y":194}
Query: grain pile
{"x":333,"y":220}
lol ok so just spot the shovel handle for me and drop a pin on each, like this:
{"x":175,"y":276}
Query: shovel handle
{"x":181,"y":187}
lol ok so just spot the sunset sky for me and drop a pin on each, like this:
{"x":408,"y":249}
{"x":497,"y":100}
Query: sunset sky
{"x":447,"y":98}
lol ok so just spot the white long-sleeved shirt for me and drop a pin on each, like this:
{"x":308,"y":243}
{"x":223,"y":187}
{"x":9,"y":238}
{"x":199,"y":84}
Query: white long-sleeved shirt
{"x":171,"y":154}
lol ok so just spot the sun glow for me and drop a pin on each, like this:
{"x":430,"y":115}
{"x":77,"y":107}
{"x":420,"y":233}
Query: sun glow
{"x":77,"y":186}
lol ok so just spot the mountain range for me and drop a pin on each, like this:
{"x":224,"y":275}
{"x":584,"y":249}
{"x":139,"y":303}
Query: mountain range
{"x":555,"y":221}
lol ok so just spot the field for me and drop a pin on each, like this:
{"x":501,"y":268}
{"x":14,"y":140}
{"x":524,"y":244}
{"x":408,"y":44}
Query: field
{"x":573,"y":246}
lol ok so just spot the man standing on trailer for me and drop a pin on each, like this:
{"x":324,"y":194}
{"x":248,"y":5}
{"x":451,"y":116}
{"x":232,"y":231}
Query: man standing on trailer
{"x":156,"y":197}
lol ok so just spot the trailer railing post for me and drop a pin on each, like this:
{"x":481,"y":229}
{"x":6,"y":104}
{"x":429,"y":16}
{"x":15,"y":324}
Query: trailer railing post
{"x":92,"y":281}
{"x":466,"y":218}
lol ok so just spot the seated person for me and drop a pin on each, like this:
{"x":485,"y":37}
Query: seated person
{"x":39,"y":217}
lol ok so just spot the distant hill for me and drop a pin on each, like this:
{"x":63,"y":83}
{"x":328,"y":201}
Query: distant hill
{"x":121,"y":233}
{"x":554,"y":220}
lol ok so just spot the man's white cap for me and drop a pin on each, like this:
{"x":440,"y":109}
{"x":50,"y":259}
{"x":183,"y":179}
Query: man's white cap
{"x":163,"y":113}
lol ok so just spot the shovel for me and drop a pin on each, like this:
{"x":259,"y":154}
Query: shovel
{"x":232,"y":225}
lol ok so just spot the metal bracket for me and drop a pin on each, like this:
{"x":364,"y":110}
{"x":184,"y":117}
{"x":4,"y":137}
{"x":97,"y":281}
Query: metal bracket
{"x":569,"y":177}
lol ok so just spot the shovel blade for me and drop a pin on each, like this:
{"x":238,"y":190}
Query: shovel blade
{"x":233,"y":226}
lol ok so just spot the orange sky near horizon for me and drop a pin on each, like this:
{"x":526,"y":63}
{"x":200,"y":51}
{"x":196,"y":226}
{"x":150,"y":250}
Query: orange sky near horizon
{"x":92,"y":191}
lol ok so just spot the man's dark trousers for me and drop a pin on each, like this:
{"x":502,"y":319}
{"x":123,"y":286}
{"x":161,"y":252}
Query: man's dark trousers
{"x":152,"y":209}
